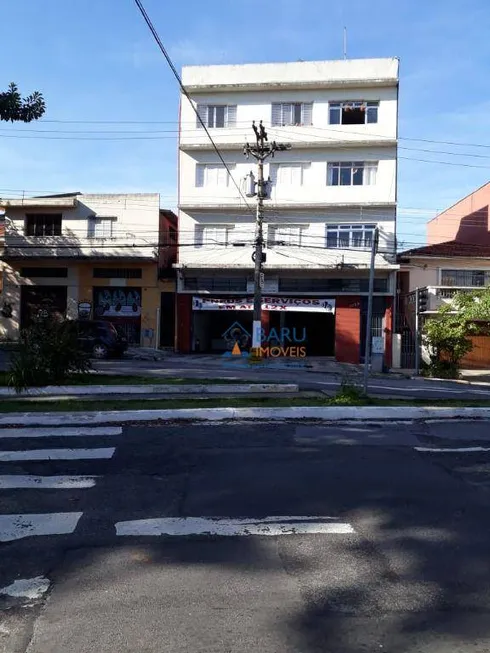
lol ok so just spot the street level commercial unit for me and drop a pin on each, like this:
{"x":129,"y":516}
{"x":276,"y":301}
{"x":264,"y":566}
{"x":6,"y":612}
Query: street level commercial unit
{"x":330,"y":191}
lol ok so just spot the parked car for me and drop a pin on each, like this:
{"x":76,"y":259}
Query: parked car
{"x":100,"y":338}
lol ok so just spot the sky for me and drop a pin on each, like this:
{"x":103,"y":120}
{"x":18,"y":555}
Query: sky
{"x":95,"y":60}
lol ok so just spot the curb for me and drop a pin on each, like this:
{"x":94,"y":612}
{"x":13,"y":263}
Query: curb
{"x":327,"y":413}
{"x":460,"y":381}
{"x":160,"y":388}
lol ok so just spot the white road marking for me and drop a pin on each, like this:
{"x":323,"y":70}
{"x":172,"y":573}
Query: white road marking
{"x":452,"y":450}
{"x":28,"y":588}
{"x":19,"y":481}
{"x":182,"y":526}
{"x":58,"y":454}
{"x":16,"y":527}
{"x":59,"y":431}
{"x":409,"y":389}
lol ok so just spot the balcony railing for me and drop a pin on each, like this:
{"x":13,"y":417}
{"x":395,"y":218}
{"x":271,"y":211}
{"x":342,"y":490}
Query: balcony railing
{"x":437,"y":296}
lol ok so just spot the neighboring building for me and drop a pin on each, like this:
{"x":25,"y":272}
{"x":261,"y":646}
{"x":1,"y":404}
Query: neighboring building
{"x":82,"y":254}
{"x":330,"y":191}
{"x":467,"y":221}
{"x":456,"y":259}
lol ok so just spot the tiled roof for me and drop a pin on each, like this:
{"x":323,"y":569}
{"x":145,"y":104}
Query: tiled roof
{"x":448,"y":249}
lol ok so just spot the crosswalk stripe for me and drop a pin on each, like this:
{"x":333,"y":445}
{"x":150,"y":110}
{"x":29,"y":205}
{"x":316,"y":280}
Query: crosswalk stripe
{"x":19,"y":481}
{"x":58,"y":454}
{"x":16,"y":527}
{"x":59,"y":431}
{"x":182,"y":526}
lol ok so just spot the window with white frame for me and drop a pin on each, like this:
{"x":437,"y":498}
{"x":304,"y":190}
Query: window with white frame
{"x":350,"y":236}
{"x":288,"y":174}
{"x":466,"y":278}
{"x":352,"y":173}
{"x":100,"y":227}
{"x":212,"y":174}
{"x":216,"y":116}
{"x":284,"y":234}
{"x":216,"y":235}
{"x":291,"y":113}
{"x":352,"y":113}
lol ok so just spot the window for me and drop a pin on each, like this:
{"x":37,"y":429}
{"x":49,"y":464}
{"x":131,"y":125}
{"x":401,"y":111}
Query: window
{"x":465,"y":277}
{"x":208,"y":174}
{"x":237,"y":284}
{"x":291,"y":113}
{"x":347,"y":236}
{"x":59,"y":273}
{"x":43,"y":224}
{"x":212,"y":235}
{"x":352,"y":173}
{"x":284,"y":235}
{"x":288,"y":174}
{"x":117,"y":273}
{"x":100,"y":227}
{"x":216,"y":115}
{"x":353,"y":113}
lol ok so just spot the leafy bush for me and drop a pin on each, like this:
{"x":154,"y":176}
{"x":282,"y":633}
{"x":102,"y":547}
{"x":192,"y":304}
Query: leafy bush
{"x":446,"y":337}
{"x":349,"y":394}
{"x":48,"y":352}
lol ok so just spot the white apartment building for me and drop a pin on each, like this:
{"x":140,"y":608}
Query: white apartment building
{"x":329,"y":192}
{"x":91,"y":255}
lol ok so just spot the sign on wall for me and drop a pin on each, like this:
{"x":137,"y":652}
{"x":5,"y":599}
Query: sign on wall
{"x":317,"y":305}
{"x":117,"y":302}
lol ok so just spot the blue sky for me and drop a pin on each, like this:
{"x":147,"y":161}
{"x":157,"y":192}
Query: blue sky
{"x":95,"y":60}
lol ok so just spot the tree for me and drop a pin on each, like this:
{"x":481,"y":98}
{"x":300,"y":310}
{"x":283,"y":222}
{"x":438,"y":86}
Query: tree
{"x":447,"y":334}
{"x":14,"y":108}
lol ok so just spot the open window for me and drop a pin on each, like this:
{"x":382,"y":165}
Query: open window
{"x":353,"y":113}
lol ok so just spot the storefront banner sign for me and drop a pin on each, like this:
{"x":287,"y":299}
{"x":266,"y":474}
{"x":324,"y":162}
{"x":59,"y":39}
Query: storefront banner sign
{"x":317,"y":305}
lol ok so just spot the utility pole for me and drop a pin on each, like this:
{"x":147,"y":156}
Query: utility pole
{"x":260,"y":151}
{"x":367,"y":349}
{"x":417,"y":331}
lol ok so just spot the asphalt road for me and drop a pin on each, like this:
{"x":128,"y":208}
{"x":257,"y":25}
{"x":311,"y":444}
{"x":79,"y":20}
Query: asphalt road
{"x":366,"y":542}
{"x":389,"y":385}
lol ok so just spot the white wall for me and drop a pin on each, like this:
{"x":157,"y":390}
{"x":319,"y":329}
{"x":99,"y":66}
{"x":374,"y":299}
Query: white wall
{"x":320,"y":73}
{"x":242,"y":228}
{"x":425,"y":272}
{"x":314,"y":187}
{"x":257,"y":105}
{"x":136,"y":222}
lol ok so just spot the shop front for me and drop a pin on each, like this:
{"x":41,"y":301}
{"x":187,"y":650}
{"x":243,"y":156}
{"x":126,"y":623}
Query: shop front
{"x":331,"y":325}
{"x":219,"y":322}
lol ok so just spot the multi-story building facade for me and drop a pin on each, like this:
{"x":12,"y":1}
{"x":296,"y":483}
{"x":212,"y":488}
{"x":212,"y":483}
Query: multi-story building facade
{"x":84,"y":255}
{"x":330,"y":191}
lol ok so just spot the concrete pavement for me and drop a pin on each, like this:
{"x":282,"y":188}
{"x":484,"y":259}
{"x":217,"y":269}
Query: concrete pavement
{"x":411,"y":574}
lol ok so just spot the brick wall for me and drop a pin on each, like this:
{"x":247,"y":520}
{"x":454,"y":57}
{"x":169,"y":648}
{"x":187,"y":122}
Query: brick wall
{"x":347,"y":329}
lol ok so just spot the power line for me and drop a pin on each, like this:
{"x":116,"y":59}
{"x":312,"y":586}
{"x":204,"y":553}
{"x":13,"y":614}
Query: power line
{"x":158,"y":40}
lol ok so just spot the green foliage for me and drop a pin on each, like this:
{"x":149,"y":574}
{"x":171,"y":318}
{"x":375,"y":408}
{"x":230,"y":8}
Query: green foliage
{"x":447,"y":334}
{"x":48,"y":352}
{"x":14,"y":108}
{"x":349,"y":393}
